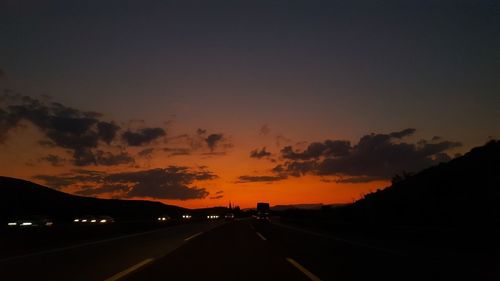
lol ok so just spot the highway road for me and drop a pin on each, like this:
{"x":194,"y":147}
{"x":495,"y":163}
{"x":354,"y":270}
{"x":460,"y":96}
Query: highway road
{"x":237,"y":250}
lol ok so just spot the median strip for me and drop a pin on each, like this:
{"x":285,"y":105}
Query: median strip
{"x":261,"y":236}
{"x":303,"y":270}
{"x":129,"y":270}
{"x":192,"y":236}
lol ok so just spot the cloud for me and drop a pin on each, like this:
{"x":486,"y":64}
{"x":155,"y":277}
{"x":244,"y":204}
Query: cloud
{"x":173,"y":182}
{"x":217,"y":197}
{"x":174,"y":151}
{"x":106,"y":188}
{"x":146,"y":153}
{"x":77,"y":131}
{"x":143,"y":136}
{"x":264,"y":130}
{"x":77,"y":176}
{"x":315,"y":150}
{"x":247,"y":179}
{"x":259,"y":153}
{"x":54,"y":160}
{"x":212,"y":145}
{"x":107,"y":131}
{"x":374,"y":157}
{"x":110,"y":159}
{"x":212,"y":140}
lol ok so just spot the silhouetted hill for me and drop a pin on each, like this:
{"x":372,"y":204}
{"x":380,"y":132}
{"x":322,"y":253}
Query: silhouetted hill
{"x":465,"y":190}
{"x":20,"y":198}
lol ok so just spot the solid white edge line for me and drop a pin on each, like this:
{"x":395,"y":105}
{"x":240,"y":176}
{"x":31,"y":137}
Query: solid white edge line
{"x":303,"y":270}
{"x":129,"y":270}
{"x":261,"y":236}
{"x":192,"y":236}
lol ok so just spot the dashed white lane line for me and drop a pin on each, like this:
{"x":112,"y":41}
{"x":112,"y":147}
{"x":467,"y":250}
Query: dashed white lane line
{"x":192,"y":236}
{"x":304,"y":270}
{"x":129,"y":270}
{"x":261,"y":236}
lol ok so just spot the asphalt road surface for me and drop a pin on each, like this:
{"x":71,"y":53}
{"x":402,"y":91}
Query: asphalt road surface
{"x":239,"y":250}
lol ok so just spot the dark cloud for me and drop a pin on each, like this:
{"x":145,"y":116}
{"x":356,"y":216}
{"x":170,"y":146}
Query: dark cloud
{"x":185,"y":144}
{"x":219,"y":192}
{"x":247,"y":179}
{"x":402,"y":133}
{"x":78,"y":176}
{"x":357,"y":179}
{"x":217,"y":197}
{"x":259,"y":153}
{"x":105,"y":188}
{"x":315,"y":150}
{"x":65,"y":127}
{"x":170,"y":183}
{"x":107,"y":131}
{"x":212,"y":140}
{"x":146,"y":153}
{"x":110,"y":159}
{"x":143,"y":136}
{"x":54,"y":160}
{"x":376,"y":156}
{"x":264,"y":130}
{"x":173,"y":151}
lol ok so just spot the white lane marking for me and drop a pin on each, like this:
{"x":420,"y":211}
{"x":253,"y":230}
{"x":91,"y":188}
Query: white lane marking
{"x":78,"y":246}
{"x":129,"y":270}
{"x":261,"y":236}
{"x":303,"y":270}
{"x":192,"y":236}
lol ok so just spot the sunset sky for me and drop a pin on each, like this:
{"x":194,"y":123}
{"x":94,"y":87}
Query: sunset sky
{"x":202,"y":103}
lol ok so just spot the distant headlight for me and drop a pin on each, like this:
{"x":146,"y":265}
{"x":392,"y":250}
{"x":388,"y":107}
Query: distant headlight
{"x":76,"y":220}
{"x":12,"y":223}
{"x":49,"y":223}
{"x":27,"y":223}
{"x":93,"y":221}
{"x":103,"y":221}
{"x":84,"y":220}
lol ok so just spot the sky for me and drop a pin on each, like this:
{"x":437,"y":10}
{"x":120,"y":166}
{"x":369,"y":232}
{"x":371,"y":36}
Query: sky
{"x":202,"y":103}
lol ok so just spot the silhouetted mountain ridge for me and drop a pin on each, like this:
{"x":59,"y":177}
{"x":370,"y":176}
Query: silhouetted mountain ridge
{"x":24,"y":198}
{"x":466,"y":190}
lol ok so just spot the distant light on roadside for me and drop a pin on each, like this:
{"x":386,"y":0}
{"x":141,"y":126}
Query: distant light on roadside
{"x":84,"y":220}
{"x":26,"y":223}
{"x":103,"y":221}
{"x":12,"y":223}
{"x":93,"y":221}
{"x":76,"y":220}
